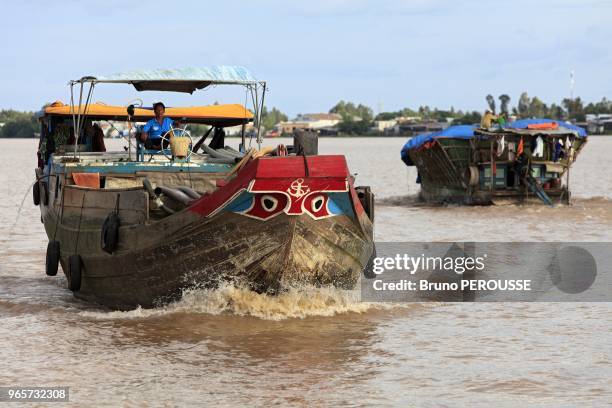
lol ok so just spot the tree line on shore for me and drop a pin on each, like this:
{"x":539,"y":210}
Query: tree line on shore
{"x":358,"y":119}
{"x":18,"y":124}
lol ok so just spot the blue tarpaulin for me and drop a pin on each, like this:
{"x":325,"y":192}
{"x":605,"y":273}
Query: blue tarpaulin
{"x":523,"y":123}
{"x":451,"y":132}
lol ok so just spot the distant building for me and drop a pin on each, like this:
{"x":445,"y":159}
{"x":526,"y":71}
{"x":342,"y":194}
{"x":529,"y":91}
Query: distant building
{"x":319,"y":120}
{"x":414,"y":128}
{"x":599,"y":124}
{"x":384,"y":126}
{"x":290,"y":126}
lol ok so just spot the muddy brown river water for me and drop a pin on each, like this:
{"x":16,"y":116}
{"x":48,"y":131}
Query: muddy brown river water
{"x":318,"y":347}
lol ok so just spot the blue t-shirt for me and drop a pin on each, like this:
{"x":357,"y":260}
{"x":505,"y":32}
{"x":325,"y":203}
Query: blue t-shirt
{"x":155,"y":130}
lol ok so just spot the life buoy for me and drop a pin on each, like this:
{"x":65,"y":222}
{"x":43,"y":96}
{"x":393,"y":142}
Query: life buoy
{"x":74,"y":272}
{"x":53,"y":257}
{"x":110,"y":233}
{"x":366,"y":198}
{"x":36,"y":193}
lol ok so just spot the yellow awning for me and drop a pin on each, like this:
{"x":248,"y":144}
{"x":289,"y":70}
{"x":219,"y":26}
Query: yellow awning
{"x":211,"y":114}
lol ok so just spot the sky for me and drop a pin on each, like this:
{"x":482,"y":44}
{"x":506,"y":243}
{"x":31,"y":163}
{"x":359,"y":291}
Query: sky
{"x":386,"y":54}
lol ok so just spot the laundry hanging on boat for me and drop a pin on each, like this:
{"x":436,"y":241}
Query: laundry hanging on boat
{"x":520,"y":149}
{"x":538,"y":150}
{"x":501,"y":146}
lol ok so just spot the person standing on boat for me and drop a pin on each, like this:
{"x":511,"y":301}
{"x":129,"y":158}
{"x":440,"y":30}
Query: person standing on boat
{"x":155,"y":128}
{"x":487,"y":119}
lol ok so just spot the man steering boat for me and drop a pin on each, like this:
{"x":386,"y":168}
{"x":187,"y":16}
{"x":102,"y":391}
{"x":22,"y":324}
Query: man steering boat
{"x":154,"y":129}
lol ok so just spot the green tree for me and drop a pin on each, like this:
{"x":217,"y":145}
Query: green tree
{"x":522,"y":109}
{"x":271,"y":118}
{"x":197,"y":130}
{"x":575,"y":109}
{"x":505,"y":101}
{"x":354,"y":127}
{"x":387,"y":115}
{"x":350,"y":111}
{"x":468,"y":118}
{"x":603,"y":106}
{"x":537,"y":108}
{"x":406,"y":112}
{"x":356,"y":119}
{"x":18,"y":124}
{"x":555,"y":112}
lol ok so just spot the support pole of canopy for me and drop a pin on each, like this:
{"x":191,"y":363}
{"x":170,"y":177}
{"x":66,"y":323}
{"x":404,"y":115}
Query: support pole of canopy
{"x":263,"y":96}
{"x":243,"y":128}
{"x":242,"y":131}
{"x":254,"y":101}
{"x":257,"y":116}
{"x":72,"y":105}
{"x":76,"y":119}
{"x":80,"y":115}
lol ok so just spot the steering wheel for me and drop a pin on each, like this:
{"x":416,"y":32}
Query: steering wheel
{"x":177,"y":132}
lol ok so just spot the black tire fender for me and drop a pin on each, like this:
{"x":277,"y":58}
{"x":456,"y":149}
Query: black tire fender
{"x":53,"y":257}
{"x":36,"y":193}
{"x":75,"y":267}
{"x":109,"y":238}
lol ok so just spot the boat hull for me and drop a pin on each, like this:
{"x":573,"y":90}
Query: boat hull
{"x":215,"y":240}
{"x":269,"y":256}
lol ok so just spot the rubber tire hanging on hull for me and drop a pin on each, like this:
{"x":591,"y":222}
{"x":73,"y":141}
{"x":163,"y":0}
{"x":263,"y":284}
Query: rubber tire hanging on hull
{"x":110,"y":233}
{"x":36,"y":193}
{"x":74,"y":272}
{"x":53,"y":257}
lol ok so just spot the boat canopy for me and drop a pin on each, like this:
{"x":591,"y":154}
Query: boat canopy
{"x":220,"y":115}
{"x":452,"y":132}
{"x":178,"y":80}
{"x":527,"y":123}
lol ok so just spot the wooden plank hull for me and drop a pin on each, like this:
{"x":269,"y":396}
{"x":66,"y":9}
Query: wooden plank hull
{"x":155,"y":262}
{"x":446,"y":168}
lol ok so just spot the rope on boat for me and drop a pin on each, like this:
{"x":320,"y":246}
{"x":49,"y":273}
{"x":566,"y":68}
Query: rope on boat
{"x":25,"y":195}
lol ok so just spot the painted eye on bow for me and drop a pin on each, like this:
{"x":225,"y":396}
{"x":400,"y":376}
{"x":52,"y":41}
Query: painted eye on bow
{"x":267,"y":205}
{"x":268,"y":202}
{"x":316,"y":205}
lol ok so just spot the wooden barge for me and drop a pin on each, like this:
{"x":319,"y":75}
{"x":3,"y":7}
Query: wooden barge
{"x":137,"y":228}
{"x":526,"y":161}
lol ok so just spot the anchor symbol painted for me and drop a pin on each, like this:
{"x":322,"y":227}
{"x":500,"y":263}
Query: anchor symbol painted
{"x":297,"y":188}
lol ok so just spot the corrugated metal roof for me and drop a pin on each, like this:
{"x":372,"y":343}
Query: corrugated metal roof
{"x":178,"y":80}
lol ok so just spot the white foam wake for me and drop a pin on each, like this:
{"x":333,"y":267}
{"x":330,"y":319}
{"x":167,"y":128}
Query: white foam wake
{"x":229,"y":299}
